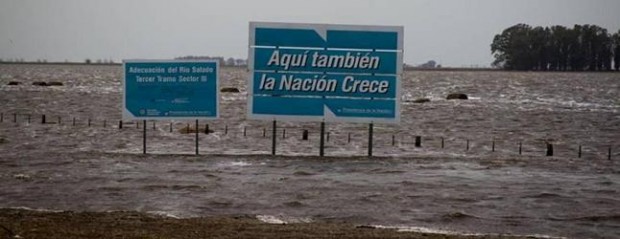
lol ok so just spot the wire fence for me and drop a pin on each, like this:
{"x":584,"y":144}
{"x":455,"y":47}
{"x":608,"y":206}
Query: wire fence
{"x":381,"y":137}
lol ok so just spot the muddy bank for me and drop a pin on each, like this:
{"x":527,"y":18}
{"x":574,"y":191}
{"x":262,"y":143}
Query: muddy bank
{"x":67,"y":225}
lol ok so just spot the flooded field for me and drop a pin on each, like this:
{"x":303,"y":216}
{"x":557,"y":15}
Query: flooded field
{"x":477,"y":183}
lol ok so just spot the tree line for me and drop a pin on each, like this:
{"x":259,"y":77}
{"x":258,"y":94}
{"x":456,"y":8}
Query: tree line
{"x":557,"y":48}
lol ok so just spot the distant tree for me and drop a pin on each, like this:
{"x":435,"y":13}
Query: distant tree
{"x":512,"y":48}
{"x":87,"y":61}
{"x":230,"y":61}
{"x":522,"y":47}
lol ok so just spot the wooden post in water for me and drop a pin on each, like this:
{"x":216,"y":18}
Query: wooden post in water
{"x":349,"y":138}
{"x":579,"y":155}
{"x":264,"y":132}
{"x":207,"y":129}
{"x":29,"y":116}
{"x":245,"y":132}
{"x":43,"y":119}
{"x":154,"y":125}
{"x":549,"y":149}
{"x":520,"y":148}
{"x":105,"y":123}
{"x":442,"y":143}
{"x":283,"y":133}
{"x":170,"y":127}
{"x":120,"y":124}
{"x":493,"y":146}
{"x":197,"y":130}
{"x":393,"y":140}
{"x":73,"y":121}
{"x":273,"y":138}
{"x":322,"y":140}
{"x":370,"y":129}
{"x":327,"y":138}
{"x":226,"y":130}
{"x":88,"y":122}
{"x":59,"y":120}
{"x":609,"y":153}
{"x":144,"y":137}
{"x":467,"y":145}
{"x":1,"y":117}
{"x":418,"y":142}
{"x":304,"y":135}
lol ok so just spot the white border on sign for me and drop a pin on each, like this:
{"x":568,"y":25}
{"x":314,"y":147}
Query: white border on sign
{"x":129,"y":116}
{"x":321,"y":29}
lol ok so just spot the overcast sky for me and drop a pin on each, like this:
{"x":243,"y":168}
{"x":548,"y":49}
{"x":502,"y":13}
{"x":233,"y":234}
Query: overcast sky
{"x":452,"y":32}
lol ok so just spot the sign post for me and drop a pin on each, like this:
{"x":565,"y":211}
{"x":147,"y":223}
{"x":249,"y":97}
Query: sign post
{"x":170,"y":90}
{"x":325,"y":73}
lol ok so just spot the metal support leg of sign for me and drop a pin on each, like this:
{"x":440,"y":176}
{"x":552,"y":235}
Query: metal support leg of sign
{"x":370,"y":128}
{"x":273,"y":138}
{"x":322,"y":140}
{"x":197,"y":150}
{"x":144,"y":137}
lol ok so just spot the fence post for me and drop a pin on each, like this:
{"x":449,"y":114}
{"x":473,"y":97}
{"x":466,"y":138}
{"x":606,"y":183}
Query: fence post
{"x":283,"y":133}
{"x":244,"y":131}
{"x":89,"y":122}
{"x":322,"y":139}
{"x":349,"y":138}
{"x":226,"y":130}
{"x":120,"y":124}
{"x":144,"y":137}
{"x":43,"y":119}
{"x":170,"y":127}
{"x":370,"y":129}
{"x":59,"y":120}
{"x":493,"y":146}
{"x":468,"y":145}
{"x":328,"y":133}
{"x":304,"y":135}
{"x":264,"y":133}
{"x":418,"y":142}
{"x":579,"y":155}
{"x":29,"y":116}
{"x":154,"y":126}
{"x":393,"y":140}
{"x":197,"y":131}
{"x":206,"y":129}
{"x":1,"y":117}
{"x":273,"y":138}
{"x":442,"y":143}
{"x":549,"y":149}
{"x":73,"y":121}
{"x":14,"y":117}
{"x":609,"y":153}
{"x":520,"y":147}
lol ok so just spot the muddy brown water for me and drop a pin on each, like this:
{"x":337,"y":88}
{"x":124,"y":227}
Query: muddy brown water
{"x":64,"y":167}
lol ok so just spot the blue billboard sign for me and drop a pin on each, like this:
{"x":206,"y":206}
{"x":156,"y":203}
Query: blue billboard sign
{"x":318,"y":72}
{"x":164,"y":90}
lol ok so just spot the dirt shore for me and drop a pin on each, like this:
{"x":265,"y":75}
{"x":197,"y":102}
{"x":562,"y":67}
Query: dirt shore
{"x":33,"y":224}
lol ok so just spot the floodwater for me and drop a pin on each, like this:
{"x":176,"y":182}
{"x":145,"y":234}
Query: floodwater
{"x":477,"y":183}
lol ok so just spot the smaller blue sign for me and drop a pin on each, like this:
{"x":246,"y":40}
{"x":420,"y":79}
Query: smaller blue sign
{"x":170,"y":90}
